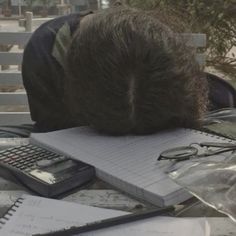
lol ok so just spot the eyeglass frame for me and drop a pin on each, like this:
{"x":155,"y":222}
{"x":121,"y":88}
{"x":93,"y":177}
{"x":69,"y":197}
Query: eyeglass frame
{"x":192,"y":152}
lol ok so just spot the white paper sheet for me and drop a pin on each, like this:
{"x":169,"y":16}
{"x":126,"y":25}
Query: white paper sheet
{"x":42,"y":215}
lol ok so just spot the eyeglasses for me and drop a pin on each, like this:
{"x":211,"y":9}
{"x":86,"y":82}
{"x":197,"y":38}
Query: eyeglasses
{"x":192,"y":151}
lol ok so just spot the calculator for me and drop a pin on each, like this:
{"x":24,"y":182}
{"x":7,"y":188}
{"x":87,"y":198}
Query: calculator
{"x":43,"y":171}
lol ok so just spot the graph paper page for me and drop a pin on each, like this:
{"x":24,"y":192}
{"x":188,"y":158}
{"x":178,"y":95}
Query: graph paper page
{"x":127,"y":162}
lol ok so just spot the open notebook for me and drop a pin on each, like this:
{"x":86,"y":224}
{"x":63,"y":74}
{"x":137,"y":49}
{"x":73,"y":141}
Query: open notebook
{"x":33,"y":215}
{"x":127,"y":162}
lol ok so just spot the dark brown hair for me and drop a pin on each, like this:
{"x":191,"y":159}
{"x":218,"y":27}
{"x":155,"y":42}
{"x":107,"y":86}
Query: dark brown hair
{"x":129,"y":73}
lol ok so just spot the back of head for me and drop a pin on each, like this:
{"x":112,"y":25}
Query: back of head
{"x":129,"y":73}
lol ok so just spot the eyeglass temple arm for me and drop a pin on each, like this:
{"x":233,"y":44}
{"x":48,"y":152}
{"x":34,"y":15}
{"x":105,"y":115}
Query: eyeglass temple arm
{"x":215,"y":144}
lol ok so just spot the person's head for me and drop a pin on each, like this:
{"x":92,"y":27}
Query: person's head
{"x":129,"y":73}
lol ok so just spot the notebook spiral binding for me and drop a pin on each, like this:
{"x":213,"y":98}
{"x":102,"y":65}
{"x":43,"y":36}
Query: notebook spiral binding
{"x":10,"y":212}
{"x":214,"y":135}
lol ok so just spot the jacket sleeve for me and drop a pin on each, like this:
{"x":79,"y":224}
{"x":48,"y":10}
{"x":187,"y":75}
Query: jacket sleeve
{"x":43,"y":79}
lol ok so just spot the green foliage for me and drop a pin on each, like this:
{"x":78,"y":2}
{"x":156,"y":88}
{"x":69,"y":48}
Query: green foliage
{"x":215,"y":18}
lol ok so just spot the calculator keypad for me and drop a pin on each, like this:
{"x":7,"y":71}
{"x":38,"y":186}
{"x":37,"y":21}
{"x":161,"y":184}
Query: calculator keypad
{"x":28,"y":157}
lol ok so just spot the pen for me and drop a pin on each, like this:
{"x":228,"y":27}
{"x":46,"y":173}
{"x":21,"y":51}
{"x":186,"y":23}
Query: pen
{"x":109,"y":222}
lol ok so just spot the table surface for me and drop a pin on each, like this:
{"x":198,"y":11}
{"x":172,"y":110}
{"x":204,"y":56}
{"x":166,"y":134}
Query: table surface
{"x":100,"y":194}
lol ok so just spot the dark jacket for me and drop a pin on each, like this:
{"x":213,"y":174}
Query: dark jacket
{"x":44,"y":76}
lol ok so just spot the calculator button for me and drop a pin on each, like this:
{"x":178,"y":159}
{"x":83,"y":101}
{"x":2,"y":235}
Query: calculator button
{"x":22,"y":167}
{"x":44,"y":163}
{"x":17,"y":165}
{"x":41,"y":155}
{"x":11,"y":162}
{"x":2,"y":158}
{"x":13,"y":156}
{"x":52,"y":157}
{"x":29,"y":165}
{"x":62,"y":158}
{"x":6,"y":153}
{"x":6,"y":160}
{"x":18,"y":152}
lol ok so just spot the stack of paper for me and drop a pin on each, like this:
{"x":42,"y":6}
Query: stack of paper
{"x":33,"y":215}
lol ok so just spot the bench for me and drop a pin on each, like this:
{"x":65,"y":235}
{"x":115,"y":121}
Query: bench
{"x":14,"y":109}
{"x":13,"y":98}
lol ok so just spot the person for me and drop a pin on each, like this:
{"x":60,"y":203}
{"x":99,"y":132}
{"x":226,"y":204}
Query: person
{"x":120,"y":71}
